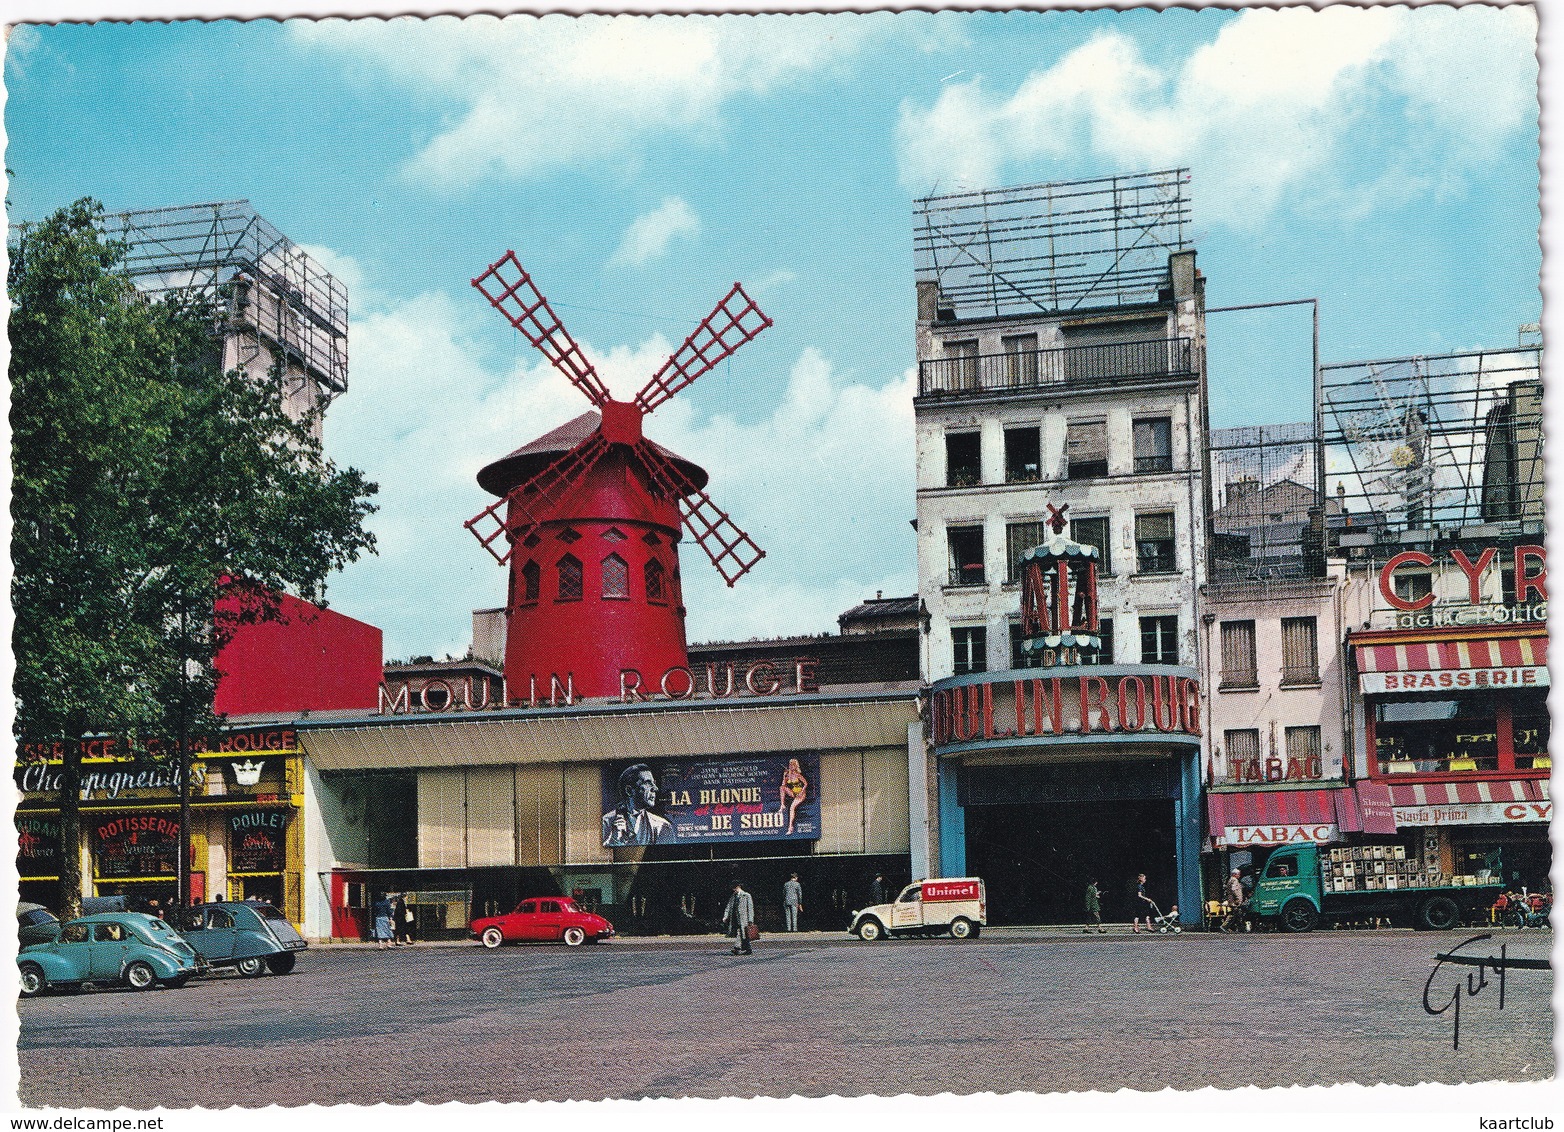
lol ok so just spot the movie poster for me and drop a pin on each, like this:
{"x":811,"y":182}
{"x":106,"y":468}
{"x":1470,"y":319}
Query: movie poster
{"x":758,"y":798}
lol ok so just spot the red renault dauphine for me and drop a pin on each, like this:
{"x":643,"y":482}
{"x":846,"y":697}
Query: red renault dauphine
{"x":543,"y":919}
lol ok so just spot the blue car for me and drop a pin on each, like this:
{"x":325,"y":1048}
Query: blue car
{"x":125,"y":948}
{"x":249,"y":936}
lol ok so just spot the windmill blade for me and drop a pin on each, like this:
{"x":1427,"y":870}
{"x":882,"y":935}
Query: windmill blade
{"x":534,"y":498}
{"x":733,"y":322}
{"x":510,"y":291}
{"x":731,"y":551}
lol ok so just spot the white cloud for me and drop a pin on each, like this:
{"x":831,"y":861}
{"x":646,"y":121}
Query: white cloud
{"x":648,"y":236}
{"x":814,"y":483}
{"x":540,"y":95}
{"x":1261,"y":112}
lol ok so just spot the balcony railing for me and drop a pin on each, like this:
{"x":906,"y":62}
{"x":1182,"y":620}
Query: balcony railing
{"x":1066,"y":365}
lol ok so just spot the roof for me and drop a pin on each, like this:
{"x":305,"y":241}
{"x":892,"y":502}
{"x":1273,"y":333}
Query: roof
{"x":528,"y":460}
{"x":883,"y":607}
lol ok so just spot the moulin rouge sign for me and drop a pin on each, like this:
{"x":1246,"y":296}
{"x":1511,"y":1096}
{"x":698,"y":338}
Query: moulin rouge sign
{"x":1075,"y":705}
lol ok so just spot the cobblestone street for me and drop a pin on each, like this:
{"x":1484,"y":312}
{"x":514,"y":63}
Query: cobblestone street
{"x":812,"y":1016}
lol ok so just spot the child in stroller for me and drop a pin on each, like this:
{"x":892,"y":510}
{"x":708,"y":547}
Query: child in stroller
{"x":1167,"y":924}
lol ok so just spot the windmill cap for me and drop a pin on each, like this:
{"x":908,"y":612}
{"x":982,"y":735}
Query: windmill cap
{"x":527,"y":461}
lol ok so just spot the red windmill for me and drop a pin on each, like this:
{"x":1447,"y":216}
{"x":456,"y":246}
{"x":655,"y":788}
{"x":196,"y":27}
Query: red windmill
{"x":588,"y":515}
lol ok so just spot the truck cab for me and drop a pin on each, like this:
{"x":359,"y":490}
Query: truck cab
{"x":1291,"y":873}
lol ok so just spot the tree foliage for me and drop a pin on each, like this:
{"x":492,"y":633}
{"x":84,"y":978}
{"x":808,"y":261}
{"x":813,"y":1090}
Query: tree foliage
{"x":147,"y":484}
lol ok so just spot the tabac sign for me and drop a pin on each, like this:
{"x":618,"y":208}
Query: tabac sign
{"x":1093,"y":704}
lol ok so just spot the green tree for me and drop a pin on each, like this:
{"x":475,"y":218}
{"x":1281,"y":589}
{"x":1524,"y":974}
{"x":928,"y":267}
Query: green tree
{"x":158,"y":503}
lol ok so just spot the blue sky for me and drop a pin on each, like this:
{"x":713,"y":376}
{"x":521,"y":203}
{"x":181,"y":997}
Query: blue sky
{"x":1383,"y":160}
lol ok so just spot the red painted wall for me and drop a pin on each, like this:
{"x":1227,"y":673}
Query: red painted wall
{"x":312,"y":659}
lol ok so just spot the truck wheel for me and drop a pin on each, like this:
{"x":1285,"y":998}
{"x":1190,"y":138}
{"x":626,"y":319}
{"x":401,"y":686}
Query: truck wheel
{"x":1299,"y":916}
{"x":961,"y":928}
{"x":870,"y":930}
{"x":1439,"y":914}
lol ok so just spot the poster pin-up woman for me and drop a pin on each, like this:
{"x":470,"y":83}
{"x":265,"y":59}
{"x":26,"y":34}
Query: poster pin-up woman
{"x":794,"y":786}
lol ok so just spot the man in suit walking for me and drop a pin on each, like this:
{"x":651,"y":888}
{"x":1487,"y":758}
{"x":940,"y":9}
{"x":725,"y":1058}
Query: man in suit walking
{"x":738,"y":916}
{"x":792,"y":902}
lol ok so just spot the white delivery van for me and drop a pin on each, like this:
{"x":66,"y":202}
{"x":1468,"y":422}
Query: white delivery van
{"x":954,"y":905}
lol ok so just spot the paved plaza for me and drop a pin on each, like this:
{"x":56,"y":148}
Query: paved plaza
{"x":811,"y":1015}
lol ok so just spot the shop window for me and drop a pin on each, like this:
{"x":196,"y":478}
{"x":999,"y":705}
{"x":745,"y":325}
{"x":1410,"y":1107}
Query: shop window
{"x":966,"y":556}
{"x":1154,"y":543}
{"x":1300,"y":651}
{"x":1451,"y":736}
{"x":531,"y":575}
{"x":1238,"y":661}
{"x":1529,"y":730}
{"x":963,"y":459}
{"x":1086,"y":449}
{"x":653,"y":576}
{"x":1159,"y":640}
{"x":1093,"y":531}
{"x":1019,"y":657}
{"x":970,"y":644}
{"x":1153,"y":445}
{"x":1023,"y":454}
{"x":616,"y":578}
{"x":1020,"y":538}
{"x":963,"y":362}
{"x":569,"y":578}
{"x":1303,"y":751}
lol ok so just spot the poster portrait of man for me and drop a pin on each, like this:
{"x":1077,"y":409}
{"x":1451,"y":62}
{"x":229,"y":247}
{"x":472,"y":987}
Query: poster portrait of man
{"x":631,"y":821}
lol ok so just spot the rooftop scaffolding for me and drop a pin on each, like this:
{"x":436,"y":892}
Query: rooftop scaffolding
{"x":1264,"y":494}
{"x":1050,"y":248}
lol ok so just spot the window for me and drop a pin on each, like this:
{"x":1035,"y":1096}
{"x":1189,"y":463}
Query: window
{"x":1154,"y":543}
{"x":1529,"y":730}
{"x":970,"y":644}
{"x":1238,"y":663}
{"x":1410,"y":587}
{"x":530,"y":581}
{"x":1020,"y":358}
{"x":549,"y":907}
{"x":1243,"y":754}
{"x":108,"y":933}
{"x":654,"y":582}
{"x":963,"y":363}
{"x":1300,"y":655}
{"x":966,"y":556}
{"x":1023,"y":454}
{"x":1159,"y":640}
{"x":569,"y":578}
{"x":1019,"y":657}
{"x":1020,"y":538}
{"x":614,"y":534}
{"x":73,"y":933}
{"x":527,"y":907}
{"x":1153,"y":445}
{"x":1094,"y":532}
{"x":963,"y":459}
{"x":218,"y":918}
{"x":616,"y":577}
{"x":1105,"y":631}
{"x":1437,"y":736}
{"x":1086,"y":449}
{"x":1303,"y":747}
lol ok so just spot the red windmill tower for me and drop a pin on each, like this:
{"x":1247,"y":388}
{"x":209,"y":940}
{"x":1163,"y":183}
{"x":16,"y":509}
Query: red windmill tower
{"x":588,"y":516}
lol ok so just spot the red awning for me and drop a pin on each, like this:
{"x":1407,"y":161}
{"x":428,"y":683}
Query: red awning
{"x":1409,"y":794}
{"x":1268,"y":813}
{"x":1439,"y":656}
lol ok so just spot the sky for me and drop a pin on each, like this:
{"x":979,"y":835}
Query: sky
{"x":1382,"y":160}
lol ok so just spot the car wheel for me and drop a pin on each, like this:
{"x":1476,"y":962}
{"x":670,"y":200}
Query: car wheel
{"x":281,"y":964}
{"x":1299,"y":916}
{"x":870,"y":930}
{"x":140,"y":976}
{"x":33,"y":981}
{"x":574,"y":937}
{"x":961,"y":928}
{"x":251,"y":967}
{"x":1439,"y":914}
{"x":492,"y":937}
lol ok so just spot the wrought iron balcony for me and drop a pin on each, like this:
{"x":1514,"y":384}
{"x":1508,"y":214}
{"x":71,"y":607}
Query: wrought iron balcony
{"x":1062,"y":366}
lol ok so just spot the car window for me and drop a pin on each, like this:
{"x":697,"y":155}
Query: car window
{"x":219,"y":918}
{"x":108,"y":933}
{"x":36,"y":916}
{"x":911,"y":896}
{"x":527,"y":906}
{"x":73,"y":933}
{"x":266,"y":912}
{"x":549,"y":906}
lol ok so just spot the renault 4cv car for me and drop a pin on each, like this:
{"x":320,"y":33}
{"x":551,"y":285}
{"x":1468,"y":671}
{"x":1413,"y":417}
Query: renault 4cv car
{"x":543,"y":919}
{"x":248,"y":936}
{"x":127,"y":948}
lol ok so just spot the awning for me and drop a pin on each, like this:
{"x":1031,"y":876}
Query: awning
{"x":1386,"y":664}
{"x":1505,"y":802}
{"x":1279,"y":817}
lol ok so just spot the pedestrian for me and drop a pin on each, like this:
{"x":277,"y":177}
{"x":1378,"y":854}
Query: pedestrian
{"x":877,"y":890}
{"x":1093,"y":907}
{"x":380,"y":912}
{"x":739,"y":916}
{"x":405,"y":921}
{"x":792,"y":902}
{"x":1140,"y":903}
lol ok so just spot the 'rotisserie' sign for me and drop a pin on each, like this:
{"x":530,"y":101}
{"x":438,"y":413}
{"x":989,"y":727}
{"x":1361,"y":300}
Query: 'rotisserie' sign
{"x":1075,"y":705}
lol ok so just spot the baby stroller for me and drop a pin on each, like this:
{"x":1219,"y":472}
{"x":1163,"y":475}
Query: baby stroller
{"x":1165,"y":925}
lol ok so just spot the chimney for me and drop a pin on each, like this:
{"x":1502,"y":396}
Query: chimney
{"x":928,"y":300}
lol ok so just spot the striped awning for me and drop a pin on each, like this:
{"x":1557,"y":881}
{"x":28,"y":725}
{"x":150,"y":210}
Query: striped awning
{"x":1407,"y":794}
{"x":1436,"y":656}
{"x":1274,"y":817}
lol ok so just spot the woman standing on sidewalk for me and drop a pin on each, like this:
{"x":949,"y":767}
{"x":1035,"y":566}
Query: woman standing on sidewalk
{"x":381,"y":911}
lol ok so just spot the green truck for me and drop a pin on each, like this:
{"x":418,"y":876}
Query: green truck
{"x":1296,"y":891}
